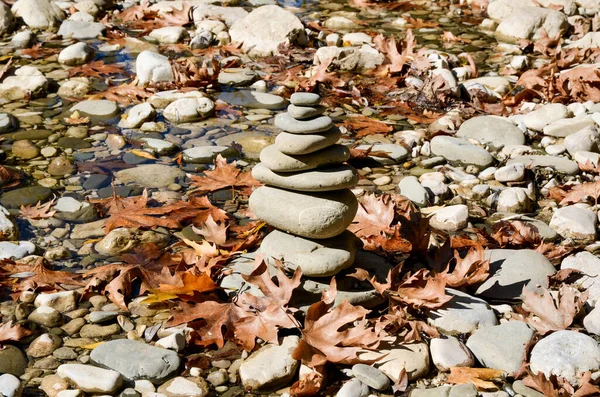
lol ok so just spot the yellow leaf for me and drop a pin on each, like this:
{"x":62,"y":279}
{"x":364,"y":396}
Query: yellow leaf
{"x":158,"y":296}
{"x":480,"y":377}
{"x":91,"y":241}
{"x":142,"y":153}
{"x":92,"y":346}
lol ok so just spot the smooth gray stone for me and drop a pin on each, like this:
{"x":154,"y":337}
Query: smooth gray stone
{"x":303,"y":144}
{"x":253,"y":99}
{"x":305,"y":99}
{"x":462,"y":315}
{"x":311,"y":215}
{"x":461,"y":151}
{"x":501,"y":346}
{"x":276,"y":161}
{"x":567,"y":354}
{"x":559,"y":164}
{"x":491,"y":130}
{"x":136,"y":360}
{"x":320,"y":258}
{"x":289,"y":124}
{"x":511,"y":270}
{"x":371,"y":376}
{"x":320,"y":180}
{"x":305,"y":112}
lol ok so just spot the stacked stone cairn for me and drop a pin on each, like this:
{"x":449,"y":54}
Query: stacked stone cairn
{"x":307,"y":195}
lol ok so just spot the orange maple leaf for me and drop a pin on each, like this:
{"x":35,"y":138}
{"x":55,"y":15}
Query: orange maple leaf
{"x":224,"y":175}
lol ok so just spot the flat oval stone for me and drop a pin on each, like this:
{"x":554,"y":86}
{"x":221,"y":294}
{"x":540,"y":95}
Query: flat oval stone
{"x":253,"y":99}
{"x":320,"y":258}
{"x":313,"y":215}
{"x":305,"y":99}
{"x":136,"y":360}
{"x":304,"y":144}
{"x":461,"y":151}
{"x":289,"y":124}
{"x":97,"y":108}
{"x":371,"y":376}
{"x":305,"y":112}
{"x":276,"y":161}
{"x":321,"y":180}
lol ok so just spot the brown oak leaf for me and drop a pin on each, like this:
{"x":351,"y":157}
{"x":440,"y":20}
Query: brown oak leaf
{"x":224,"y":175}
{"x":549,"y":314}
{"x":16,"y":332}
{"x":334,"y":335}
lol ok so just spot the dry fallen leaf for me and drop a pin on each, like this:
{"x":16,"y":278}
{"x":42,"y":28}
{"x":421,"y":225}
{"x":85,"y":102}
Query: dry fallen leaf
{"x":480,"y":377}
{"x":374,"y":216}
{"x":422,"y":289}
{"x":334,"y":335}
{"x":38,"y":211}
{"x":11,"y":332}
{"x":549,"y":314}
{"x":224,"y":175}
{"x":364,"y":126}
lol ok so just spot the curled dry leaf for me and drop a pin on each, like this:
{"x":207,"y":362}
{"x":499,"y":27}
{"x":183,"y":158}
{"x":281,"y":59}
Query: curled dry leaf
{"x":421,"y":289}
{"x":334,"y":335}
{"x":212,"y":231}
{"x":363,"y":126}
{"x":480,"y":377}
{"x":579,"y":192}
{"x":224,"y":175}
{"x":374,"y":216}
{"x":470,"y":270}
{"x":10,"y":176}
{"x":547,"y":313}
{"x":11,"y":332}
{"x":38,"y":211}
{"x":396,"y":58}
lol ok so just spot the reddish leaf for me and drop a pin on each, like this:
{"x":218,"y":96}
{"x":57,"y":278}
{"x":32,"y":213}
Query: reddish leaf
{"x":334,"y":335}
{"x":16,"y":332}
{"x":224,"y":175}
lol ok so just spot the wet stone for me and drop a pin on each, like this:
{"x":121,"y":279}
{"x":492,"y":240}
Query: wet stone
{"x":73,"y":143}
{"x":96,"y":181}
{"x":25,"y":196}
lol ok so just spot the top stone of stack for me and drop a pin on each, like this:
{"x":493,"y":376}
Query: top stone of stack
{"x":305,"y":99}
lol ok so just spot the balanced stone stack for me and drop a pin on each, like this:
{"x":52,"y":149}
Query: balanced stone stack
{"x":307,"y":196}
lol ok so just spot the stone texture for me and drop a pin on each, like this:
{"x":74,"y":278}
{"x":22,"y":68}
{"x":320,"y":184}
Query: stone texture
{"x":319,"y":180}
{"x":501,"y":346}
{"x":271,"y":366}
{"x":295,"y":144}
{"x":565,"y":353}
{"x":150,"y":175}
{"x":491,"y":130}
{"x":529,"y":22}
{"x":313,"y":215}
{"x":450,"y":352}
{"x":392,"y":355}
{"x":265,"y":28}
{"x":318,"y":258}
{"x":136,"y":360}
{"x":276,"y":161}
{"x":90,"y":379}
{"x":460,"y":151}
{"x":462,"y":315}
{"x":576,"y":223}
{"x":508,"y":275}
